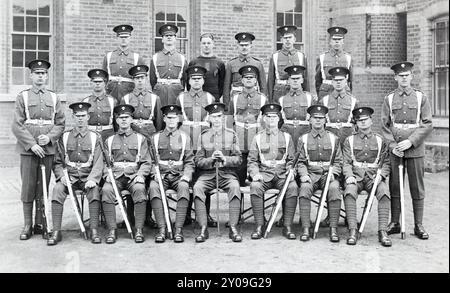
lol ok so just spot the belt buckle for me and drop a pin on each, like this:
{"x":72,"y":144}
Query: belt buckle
{"x":40,"y":122}
{"x":170,"y":163}
{"x":78,"y":165}
{"x":119,"y":79}
{"x":320,"y":163}
{"x":98,"y":128}
{"x":364,"y":165}
{"x":246,"y":125}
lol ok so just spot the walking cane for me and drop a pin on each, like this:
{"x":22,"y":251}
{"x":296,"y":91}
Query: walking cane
{"x":46,"y":206}
{"x":217,"y":198}
{"x":402,"y":199}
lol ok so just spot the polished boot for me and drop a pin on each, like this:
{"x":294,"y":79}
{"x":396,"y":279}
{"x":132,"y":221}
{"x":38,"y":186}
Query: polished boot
{"x":111,"y":237}
{"x":95,"y":237}
{"x":258,"y":233}
{"x":211,"y":222}
{"x":420,"y":232}
{"x":280,"y":222}
{"x":160,"y":236}
{"x":334,"y":237}
{"x":287,"y":232}
{"x":393,"y":228}
{"x":234,"y":234}
{"x":38,"y":229}
{"x":305,"y":234}
{"x":139,"y":235}
{"x":178,"y":237}
{"x":54,"y":238}
{"x":149,"y":222}
{"x":325,"y":222}
{"x":26,"y":232}
{"x":351,"y":240}
{"x":203,"y":234}
{"x":384,"y":238}
{"x":188,"y":220}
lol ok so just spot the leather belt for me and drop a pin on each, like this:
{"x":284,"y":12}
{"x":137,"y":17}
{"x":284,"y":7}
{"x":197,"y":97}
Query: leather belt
{"x":273,"y":163}
{"x":99,"y":128}
{"x":125,"y":164}
{"x":169,"y":81}
{"x":339,"y":124}
{"x":281,"y":81}
{"x":39,"y":122}
{"x":247,"y":125}
{"x":79,"y":165}
{"x":327,"y":81}
{"x":237,"y":88}
{"x":296,"y":122}
{"x":319,"y":163}
{"x":405,"y":125}
{"x":119,"y":79}
{"x":365,"y":165}
{"x":141,"y":121}
{"x":195,"y":123}
{"x":170,"y":163}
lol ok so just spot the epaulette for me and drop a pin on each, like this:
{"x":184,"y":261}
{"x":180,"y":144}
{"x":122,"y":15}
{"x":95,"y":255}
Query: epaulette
{"x":417,"y":90}
{"x":234,"y":58}
{"x":96,"y":132}
{"x":256,"y":58}
{"x":205,"y":130}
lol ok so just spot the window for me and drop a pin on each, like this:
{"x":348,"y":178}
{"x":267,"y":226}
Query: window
{"x":290,"y":12}
{"x":174,"y":12}
{"x":440,"y":63}
{"x":31,"y":33}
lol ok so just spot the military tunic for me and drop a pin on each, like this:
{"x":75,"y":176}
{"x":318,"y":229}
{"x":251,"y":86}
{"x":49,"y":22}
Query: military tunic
{"x":101,"y":114}
{"x":175,"y":160}
{"x":83,"y":164}
{"x":147,"y":116}
{"x":277,"y":81}
{"x":339,"y":118}
{"x":407,"y":118}
{"x":361,"y":162}
{"x":233,"y":80}
{"x":325,"y":62}
{"x":127,"y":165}
{"x":167,"y":75}
{"x":117,"y":63}
{"x":43,"y":114}
{"x":295,"y":118}
{"x":314,"y":161}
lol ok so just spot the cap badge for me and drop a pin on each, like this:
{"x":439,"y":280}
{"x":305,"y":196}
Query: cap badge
{"x":403,"y":65}
{"x":285,"y":28}
{"x":337,"y":30}
{"x":243,"y":36}
{"x":97,"y":72}
{"x":80,"y":106}
{"x":318,"y":108}
{"x":337,"y":70}
{"x":295,"y":68}
{"x":123,"y":28}
{"x":195,"y":69}
{"x":39,"y":63}
{"x":123,"y":108}
{"x":271,"y":106}
{"x":215,"y":106}
{"x":139,"y":68}
{"x":171,"y":107}
{"x":360,"y":110}
{"x":168,"y":27}
{"x":249,"y":69}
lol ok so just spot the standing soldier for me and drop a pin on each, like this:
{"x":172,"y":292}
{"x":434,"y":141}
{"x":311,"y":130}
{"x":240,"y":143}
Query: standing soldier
{"x":271,"y":155}
{"x":361,"y":154}
{"x":38,"y":123}
{"x":245,"y":109}
{"x":128,"y":152}
{"x":167,"y":67}
{"x":406,"y":122}
{"x":102,"y":105}
{"x":218,"y":145}
{"x":118,"y":62}
{"x":215,"y":68}
{"x":83,"y":157}
{"x":335,"y":57}
{"x":316,"y":149}
{"x":277,"y":82}
{"x":233,"y":79}
{"x":176,"y":162}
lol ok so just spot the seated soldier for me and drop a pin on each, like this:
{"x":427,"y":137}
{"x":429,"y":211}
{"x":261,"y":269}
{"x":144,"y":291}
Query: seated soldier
{"x":316,"y":149}
{"x":176,"y":163}
{"x":81,"y":151}
{"x":362,"y":152}
{"x":218,"y":145}
{"x":271,"y":155}
{"x":128,"y":152}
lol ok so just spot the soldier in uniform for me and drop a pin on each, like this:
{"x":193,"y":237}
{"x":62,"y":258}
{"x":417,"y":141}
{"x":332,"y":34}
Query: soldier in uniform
{"x":128,"y":151}
{"x":271,"y":155}
{"x":176,"y":163}
{"x":245,"y":109}
{"x":233,"y":79}
{"x":361,"y":154}
{"x":167,"y":67}
{"x":118,"y":62}
{"x":315,"y":149}
{"x":406,"y":122}
{"x":38,"y":123}
{"x":215,"y":68}
{"x":102,"y":105}
{"x":83,"y":157}
{"x":277,"y":81}
{"x":218,"y":145}
{"x":335,"y":57}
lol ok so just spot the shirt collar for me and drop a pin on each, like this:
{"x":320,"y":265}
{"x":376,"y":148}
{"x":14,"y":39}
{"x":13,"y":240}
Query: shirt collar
{"x":272,"y":132}
{"x":80,"y":133}
{"x":407,"y":91}
{"x":335,"y":94}
{"x":334,"y":52}
{"x":192,"y":93}
{"x":37,"y":90}
{"x":168,"y":133}
{"x":249,"y":92}
{"x":127,"y":132}
{"x":316,"y":133}
{"x":363,"y":135}
{"x":125,"y":52}
{"x":297,"y":92}
{"x":286,"y":51}
{"x":137,"y":92}
{"x":244,"y":58}
{"x":171,"y":52}
{"x":99,"y":97}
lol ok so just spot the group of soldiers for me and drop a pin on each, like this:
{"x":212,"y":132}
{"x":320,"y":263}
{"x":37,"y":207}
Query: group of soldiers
{"x":207,"y":125}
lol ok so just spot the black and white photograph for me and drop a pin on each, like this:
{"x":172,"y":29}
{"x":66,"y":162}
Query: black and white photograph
{"x":217,"y":137}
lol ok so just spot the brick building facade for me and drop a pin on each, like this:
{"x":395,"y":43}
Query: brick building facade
{"x":75,"y":34}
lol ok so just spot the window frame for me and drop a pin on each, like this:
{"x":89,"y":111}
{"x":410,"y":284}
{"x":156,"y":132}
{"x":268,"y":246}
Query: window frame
{"x":15,"y":88}
{"x":435,"y":111}
{"x":302,"y":13}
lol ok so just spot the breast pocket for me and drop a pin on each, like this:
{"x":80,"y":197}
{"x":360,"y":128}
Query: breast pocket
{"x":161,"y":65}
{"x":130,"y":59}
{"x":133,"y":148}
{"x":49,"y":108}
{"x":115,"y":149}
{"x":163,"y":145}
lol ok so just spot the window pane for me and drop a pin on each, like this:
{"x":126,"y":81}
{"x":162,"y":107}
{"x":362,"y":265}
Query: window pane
{"x":298,"y":6}
{"x":43,"y":55}
{"x":17,"y":42}
{"x":440,"y":32}
{"x":31,"y":6}
{"x":18,"y":7}
{"x":43,"y":43}
{"x":279,"y":46}
{"x":158,"y":45}
{"x":298,"y":20}
{"x":299,"y":35}
{"x":17,"y":59}
{"x":30,"y":42}
{"x":44,"y":24}
{"x":17,"y":76}
{"x":289,"y":19}
{"x":18,"y":23}
{"x":31,"y":24}
{"x":29,"y":56}
{"x":285,"y":5}
{"x":158,"y":25}
{"x":160,"y":13}
{"x":44,"y":7}
{"x":298,"y":46}
{"x":182,"y":44}
{"x":182,"y":14}
{"x":440,"y":55}
{"x":182,"y":32}
{"x":171,"y":13}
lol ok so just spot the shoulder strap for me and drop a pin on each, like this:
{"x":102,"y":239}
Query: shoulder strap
{"x":153,"y":98}
{"x":108,"y":60}
{"x":93,"y":142}
{"x":136,"y":58}
{"x":156,"y":141}
{"x":111,"y":105}
{"x":181,"y":99}
{"x":350,"y":116}
{"x":65,"y":138}
{"x":139,"y":140}
{"x":235,"y":98}
{"x":109,"y":141}
{"x":287,"y":139}
{"x":183,"y":60}
{"x":349,"y":60}
{"x":183,"y":147}
{"x":54,"y":100}
{"x":380,"y":144}
{"x":390,"y":98}
{"x":275,"y":64}
{"x":281,"y":101}
{"x":325,"y":100}
{"x":321,"y":58}
{"x":301,"y":58}
{"x":350,"y":142}
{"x":155,"y":59}
{"x":305,"y":144}
{"x":419,"y":105}
{"x":308,"y":102}
{"x":258,"y":143}
{"x":126,"y":99}
{"x":332,"y":140}
{"x":25,"y":104}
